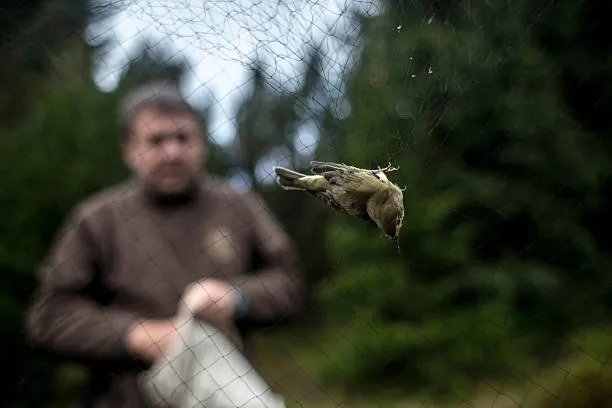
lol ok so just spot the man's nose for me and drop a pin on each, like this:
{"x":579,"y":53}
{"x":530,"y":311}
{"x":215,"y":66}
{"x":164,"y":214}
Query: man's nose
{"x":173,"y":149}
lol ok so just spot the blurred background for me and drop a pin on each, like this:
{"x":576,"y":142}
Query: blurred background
{"x":496,"y":113}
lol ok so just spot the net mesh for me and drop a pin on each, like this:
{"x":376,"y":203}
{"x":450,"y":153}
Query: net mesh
{"x":499,"y":295}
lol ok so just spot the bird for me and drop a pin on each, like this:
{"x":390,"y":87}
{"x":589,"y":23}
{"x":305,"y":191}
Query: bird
{"x":366,"y":194}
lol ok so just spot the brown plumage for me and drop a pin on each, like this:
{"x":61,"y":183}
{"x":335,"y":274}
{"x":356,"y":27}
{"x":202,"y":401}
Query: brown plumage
{"x":363,"y":193}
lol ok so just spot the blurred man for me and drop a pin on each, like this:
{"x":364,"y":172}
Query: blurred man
{"x":128,"y":256}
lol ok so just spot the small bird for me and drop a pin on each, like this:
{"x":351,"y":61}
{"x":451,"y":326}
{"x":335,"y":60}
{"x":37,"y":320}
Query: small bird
{"x":363,"y":193}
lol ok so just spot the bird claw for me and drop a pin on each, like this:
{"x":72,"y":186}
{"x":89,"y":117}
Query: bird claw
{"x":388,"y":169}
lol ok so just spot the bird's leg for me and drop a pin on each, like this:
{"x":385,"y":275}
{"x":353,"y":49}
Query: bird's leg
{"x":388,"y":169}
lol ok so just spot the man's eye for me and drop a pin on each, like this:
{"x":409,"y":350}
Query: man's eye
{"x":182,"y":138}
{"x":156,"y":141}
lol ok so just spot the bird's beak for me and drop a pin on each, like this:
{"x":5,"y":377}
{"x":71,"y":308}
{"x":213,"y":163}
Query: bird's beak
{"x":396,"y":241}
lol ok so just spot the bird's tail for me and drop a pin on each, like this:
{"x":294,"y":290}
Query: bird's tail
{"x":287,"y":179}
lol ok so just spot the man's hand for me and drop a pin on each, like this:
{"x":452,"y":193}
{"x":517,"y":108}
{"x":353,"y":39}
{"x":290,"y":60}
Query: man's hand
{"x":212,"y":301}
{"x":150,"y":339}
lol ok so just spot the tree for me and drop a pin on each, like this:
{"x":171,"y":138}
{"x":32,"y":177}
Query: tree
{"x":268,"y":123}
{"x":62,"y":152}
{"x":32,"y":32}
{"x":34,"y":37}
{"x":470,"y":100}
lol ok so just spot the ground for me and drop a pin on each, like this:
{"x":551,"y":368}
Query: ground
{"x":284,"y":359}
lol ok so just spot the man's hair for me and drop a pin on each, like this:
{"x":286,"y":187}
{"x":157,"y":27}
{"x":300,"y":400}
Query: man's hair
{"x":161,"y":95}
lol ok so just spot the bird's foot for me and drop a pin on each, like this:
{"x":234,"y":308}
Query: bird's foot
{"x":388,"y":169}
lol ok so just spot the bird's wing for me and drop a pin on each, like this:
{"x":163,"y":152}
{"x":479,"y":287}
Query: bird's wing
{"x":355,"y":183}
{"x":319,"y":167}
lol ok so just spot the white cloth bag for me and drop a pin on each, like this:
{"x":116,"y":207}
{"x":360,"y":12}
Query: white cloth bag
{"x":203,"y":368}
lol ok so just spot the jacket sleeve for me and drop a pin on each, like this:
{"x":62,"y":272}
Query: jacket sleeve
{"x":274,"y":289}
{"x":65,"y":318}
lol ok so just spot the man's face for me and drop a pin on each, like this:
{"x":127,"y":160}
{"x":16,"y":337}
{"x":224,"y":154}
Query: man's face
{"x":166,"y":150}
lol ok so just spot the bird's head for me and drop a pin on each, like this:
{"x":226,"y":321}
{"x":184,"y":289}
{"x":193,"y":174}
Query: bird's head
{"x":392,"y":217}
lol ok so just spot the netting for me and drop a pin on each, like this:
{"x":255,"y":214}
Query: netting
{"x":221,"y":40}
{"x":493,"y":114}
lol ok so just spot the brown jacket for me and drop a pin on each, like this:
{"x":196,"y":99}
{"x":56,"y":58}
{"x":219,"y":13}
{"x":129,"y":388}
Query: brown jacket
{"x":124,"y":255}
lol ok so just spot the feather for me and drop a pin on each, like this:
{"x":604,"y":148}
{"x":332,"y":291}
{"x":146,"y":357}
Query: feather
{"x":366,"y":194}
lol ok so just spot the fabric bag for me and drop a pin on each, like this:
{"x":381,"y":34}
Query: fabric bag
{"x":204,"y":367}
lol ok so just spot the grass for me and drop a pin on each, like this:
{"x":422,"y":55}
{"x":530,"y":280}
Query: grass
{"x":286,"y":360}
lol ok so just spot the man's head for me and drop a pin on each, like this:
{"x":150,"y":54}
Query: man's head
{"x":163,"y":141}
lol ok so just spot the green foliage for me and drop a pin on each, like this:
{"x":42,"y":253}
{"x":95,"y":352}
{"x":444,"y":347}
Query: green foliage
{"x":65,"y":149}
{"x":501,"y":175}
{"x":32,"y":32}
{"x":267,"y":127}
{"x":76,"y":151}
{"x":152,"y":64}
{"x":35,"y":37}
